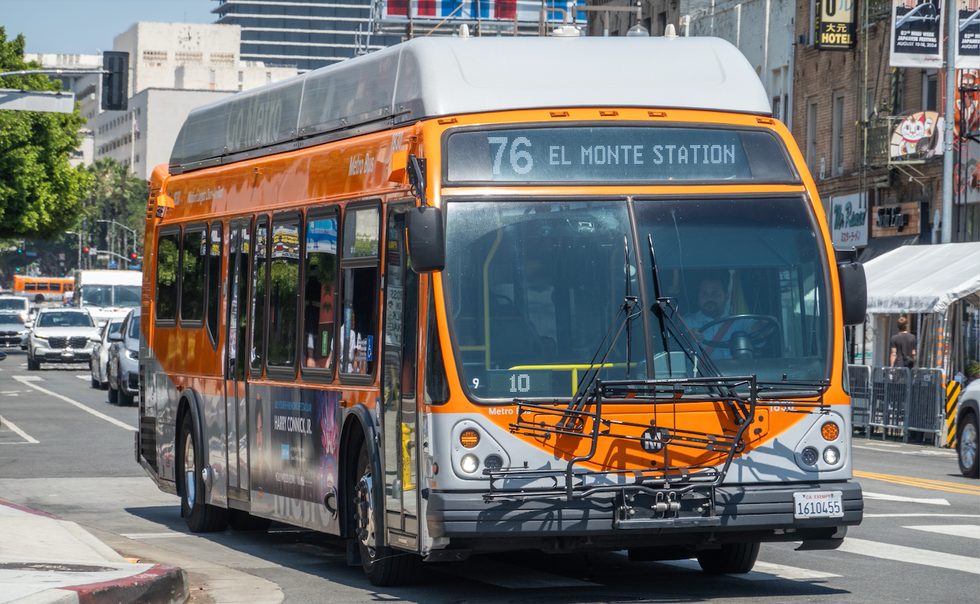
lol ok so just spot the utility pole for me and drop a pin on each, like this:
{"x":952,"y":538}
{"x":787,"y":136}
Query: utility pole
{"x":951,"y":17}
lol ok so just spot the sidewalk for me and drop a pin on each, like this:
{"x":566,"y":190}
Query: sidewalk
{"x":46,"y":560}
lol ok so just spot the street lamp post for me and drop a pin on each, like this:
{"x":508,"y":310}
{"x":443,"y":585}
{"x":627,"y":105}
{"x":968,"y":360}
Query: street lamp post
{"x":125,"y":243}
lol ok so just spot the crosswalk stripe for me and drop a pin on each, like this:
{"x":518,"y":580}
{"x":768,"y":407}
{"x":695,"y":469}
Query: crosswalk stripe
{"x":763,"y":571}
{"x":512,"y":577}
{"x":953,"y":530}
{"x":912,"y":555}
{"x":884,"y":497}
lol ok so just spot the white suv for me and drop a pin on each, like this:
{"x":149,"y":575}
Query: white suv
{"x":61,"y":335}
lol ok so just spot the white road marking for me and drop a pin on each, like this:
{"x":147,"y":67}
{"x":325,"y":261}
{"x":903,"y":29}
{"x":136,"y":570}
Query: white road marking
{"x":27,"y":437}
{"x":922,"y":515}
{"x":84,"y":377}
{"x":912,"y":555}
{"x":885,"y":497}
{"x":762,"y":571}
{"x":917,"y":451}
{"x":27,"y":380}
{"x":953,"y":530}
{"x":170,"y":535}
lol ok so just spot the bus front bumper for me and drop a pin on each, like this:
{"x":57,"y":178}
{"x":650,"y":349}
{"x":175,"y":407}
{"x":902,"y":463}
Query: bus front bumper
{"x":742,"y":513}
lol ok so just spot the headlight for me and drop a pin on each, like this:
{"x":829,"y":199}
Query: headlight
{"x":831,"y":455}
{"x":469,"y":463}
{"x":810,"y":456}
{"x":133,"y":354}
{"x":42,"y":338}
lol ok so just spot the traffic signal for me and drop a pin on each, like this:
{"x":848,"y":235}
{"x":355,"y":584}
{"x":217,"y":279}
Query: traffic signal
{"x":133,"y":256}
{"x":85,"y":250}
{"x":115,"y":81}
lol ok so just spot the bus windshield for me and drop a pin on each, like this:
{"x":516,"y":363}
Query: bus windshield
{"x":121,"y":296}
{"x":536,"y":285}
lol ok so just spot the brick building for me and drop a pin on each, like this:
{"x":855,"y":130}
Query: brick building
{"x":856,"y":120}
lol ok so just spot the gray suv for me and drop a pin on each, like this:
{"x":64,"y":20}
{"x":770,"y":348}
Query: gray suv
{"x":124,"y":364}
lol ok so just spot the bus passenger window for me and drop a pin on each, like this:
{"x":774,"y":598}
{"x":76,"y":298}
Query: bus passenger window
{"x":283,"y":295}
{"x":258,"y":296}
{"x":168,"y":255}
{"x":214,"y":279}
{"x":319,"y":292}
{"x":30,"y":287}
{"x":192,"y":276}
{"x":360,"y":292}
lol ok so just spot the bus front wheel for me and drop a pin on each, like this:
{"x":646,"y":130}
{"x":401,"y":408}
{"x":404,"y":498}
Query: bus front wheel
{"x":383,"y":565}
{"x":200,"y":517}
{"x":731,"y":559}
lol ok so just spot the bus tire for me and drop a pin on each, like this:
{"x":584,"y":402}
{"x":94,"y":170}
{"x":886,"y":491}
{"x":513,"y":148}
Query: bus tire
{"x":242,"y":521}
{"x":38,"y":299}
{"x":384,"y":566}
{"x":200,"y":517}
{"x":967,"y":446}
{"x":731,"y":559}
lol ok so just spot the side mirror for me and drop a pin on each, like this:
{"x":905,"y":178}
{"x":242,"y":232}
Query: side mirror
{"x":426,"y":239}
{"x":115,"y":337}
{"x":3,"y":355}
{"x":853,"y":292}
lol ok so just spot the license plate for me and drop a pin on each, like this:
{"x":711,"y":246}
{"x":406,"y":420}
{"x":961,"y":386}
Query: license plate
{"x":818,"y":504}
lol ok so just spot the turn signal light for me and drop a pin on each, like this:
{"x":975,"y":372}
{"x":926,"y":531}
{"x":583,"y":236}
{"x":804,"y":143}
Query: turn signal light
{"x":830,"y":431}
{"x":469,"y":438}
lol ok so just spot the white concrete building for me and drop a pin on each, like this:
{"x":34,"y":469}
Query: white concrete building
{"x":174,"y":67}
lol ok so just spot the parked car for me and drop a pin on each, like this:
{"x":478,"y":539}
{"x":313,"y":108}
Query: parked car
{"x":61,"y":335}
{"x":16,"y":305}
{"x":13,"y":332}
{"x":99,"y":365}
{"x":124,"y":366}
{"x":967,"y":414}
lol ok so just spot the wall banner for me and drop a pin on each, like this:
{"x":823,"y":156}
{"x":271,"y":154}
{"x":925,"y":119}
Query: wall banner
{"x":918,"y":136}
{"x":835,"y":29}
{"x":968,"y":27}
{"x":917,"y":33}
{"x":849,"y":220}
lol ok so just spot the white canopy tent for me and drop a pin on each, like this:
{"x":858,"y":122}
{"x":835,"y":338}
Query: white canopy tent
{"x":929,"y":281}
{"x":923,"y":278}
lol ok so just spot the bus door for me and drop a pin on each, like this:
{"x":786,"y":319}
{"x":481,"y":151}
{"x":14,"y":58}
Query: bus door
{"x":236,"y":417}
{"x":399,"y":406}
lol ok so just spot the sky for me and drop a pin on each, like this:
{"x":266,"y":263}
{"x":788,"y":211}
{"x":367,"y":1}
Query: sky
{"x":88,"y":26}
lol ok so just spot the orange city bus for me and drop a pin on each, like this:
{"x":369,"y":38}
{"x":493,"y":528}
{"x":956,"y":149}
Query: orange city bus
{"x":464,"y":295}
{"x":42,"y":289}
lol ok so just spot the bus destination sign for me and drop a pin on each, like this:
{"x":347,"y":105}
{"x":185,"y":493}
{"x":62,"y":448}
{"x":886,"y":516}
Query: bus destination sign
{"x":601,"y":154}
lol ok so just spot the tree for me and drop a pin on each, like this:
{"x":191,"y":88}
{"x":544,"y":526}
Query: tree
{"x":118,"y":195}
{"x":40,"y":193}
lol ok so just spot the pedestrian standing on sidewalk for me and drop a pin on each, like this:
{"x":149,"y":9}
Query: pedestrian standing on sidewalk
{"x":903,"y":346}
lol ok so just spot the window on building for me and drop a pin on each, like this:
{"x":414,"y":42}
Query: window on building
{"x":930,"y":91}
{"x":837,"y":136}
{"x":661,"y":24}
{"x":168,"y":264}
{"x":320,"y":293}
{"x":193,"y":259}
{"x":359,"y":265}
{"x":777,"y":108}
{"x":811,"y":136}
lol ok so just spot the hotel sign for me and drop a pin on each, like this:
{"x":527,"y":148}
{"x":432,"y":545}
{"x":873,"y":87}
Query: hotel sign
{"x":836,"y":25}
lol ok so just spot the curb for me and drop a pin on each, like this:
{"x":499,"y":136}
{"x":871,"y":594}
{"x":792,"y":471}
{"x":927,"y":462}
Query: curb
{"x":156,"y":585}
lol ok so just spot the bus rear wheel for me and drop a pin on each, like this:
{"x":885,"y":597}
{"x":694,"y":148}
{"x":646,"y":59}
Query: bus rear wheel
{"x":200,"y":517}
{"x":384,"y":566}
{"x":731,"y":559}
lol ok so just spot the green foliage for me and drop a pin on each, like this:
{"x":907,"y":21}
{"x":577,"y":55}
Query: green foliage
{"x":40,"y":193}
{"x":115,"y":194}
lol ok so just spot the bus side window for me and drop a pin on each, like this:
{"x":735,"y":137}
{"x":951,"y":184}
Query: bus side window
{"x":214,"y":279}
{"x":30,"y":287}
{"x":168,"y":264}
{"x":193,"y":258}
{"x":283,"y":294}
{"x":320,"y":293}
{"x":260,"y":251}
{"x":359,"y":264}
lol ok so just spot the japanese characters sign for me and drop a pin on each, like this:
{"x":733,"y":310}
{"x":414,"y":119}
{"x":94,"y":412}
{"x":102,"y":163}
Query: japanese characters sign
{"x":917,"y":36}
{"x":835,"y":29}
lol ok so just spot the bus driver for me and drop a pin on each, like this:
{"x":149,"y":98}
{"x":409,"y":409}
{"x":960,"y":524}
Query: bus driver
{"x":708,"y":324}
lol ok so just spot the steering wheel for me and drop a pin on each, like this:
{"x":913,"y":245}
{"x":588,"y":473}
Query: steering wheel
{"x":767,"y":331}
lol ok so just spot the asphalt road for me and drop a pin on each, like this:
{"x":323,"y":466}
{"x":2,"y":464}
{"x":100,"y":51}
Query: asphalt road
{"x":66,"y":450}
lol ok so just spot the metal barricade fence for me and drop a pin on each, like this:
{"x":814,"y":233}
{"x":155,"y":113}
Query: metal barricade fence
{"x":889,"y":397}
{"x":859,"y":385}
{"x":926,"y":398}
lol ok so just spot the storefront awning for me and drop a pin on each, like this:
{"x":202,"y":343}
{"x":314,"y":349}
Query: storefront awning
{"x":923,"y":278}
